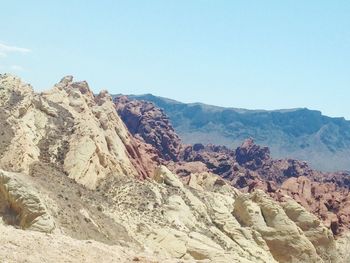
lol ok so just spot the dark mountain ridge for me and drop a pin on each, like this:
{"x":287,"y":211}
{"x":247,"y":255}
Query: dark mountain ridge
{"x":299,"y":133}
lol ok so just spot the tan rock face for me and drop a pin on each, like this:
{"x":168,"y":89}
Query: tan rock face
{"x":69,"y":127}
{"x":177,"y":221}
{"x":21,"y":206}
{"x":283,"y":237}
{"x":206,"y":219}
{"x":319,"y":235}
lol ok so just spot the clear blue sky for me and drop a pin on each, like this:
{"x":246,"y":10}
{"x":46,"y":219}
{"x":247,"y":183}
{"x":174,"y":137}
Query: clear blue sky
{"x":248,"y":54}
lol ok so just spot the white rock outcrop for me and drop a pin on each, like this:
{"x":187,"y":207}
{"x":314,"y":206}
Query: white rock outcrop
{"x":21,"y":206}
{"x":67,"y":126}
{"x":209,"y":220}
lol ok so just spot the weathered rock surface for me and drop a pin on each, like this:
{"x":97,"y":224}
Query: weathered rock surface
{"x":326,"y":200}
{"x":21,"y":206}
{"x":205,"y":218}
{"x":252,"y":156}
{"x":70,"y":127}
{"x":149,"y":122}
{"x":319,"y":235}
{"x":283,"y":236}
{"x":18,"y":246}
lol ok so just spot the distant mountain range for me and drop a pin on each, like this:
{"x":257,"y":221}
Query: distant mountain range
{"x":300,"y":133}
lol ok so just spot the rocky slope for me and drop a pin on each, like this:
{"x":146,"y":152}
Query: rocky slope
{"x":251,"y":167}
{"x":149,"y":122}
{"x":301,"y":134}
{"x":28,"y":246}
{"x":69,"y":127}
{"x":77,"y":186}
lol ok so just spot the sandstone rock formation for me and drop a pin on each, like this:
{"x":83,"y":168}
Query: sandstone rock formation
{"x":282,"y":235}
{"x":69,"y":127}
{"x":205,"y":218}
{"x":326,"y":200}
{"x":252,"y":156}
{"x":149,"y":122}
{"x":21,"y":206}
{"x":70,"y":168}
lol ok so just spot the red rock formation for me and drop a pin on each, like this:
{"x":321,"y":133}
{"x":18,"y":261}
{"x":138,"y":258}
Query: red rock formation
{"x":218,"y":159}
{"x":143,"y":156}
{"x":252,"y":156}
{"x":328,"y":201}
{"x":149,"y":122}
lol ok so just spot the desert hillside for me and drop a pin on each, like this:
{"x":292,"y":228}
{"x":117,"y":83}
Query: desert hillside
{"x":84,"y":178}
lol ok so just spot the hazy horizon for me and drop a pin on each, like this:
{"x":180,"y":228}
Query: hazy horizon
{"x":244,"y":54}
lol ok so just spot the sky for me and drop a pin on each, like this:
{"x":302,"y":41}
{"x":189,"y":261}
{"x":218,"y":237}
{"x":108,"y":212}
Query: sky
{"x":244,"y":54}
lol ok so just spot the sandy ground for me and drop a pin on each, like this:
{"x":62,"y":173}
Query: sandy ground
{"x":17,"y":246}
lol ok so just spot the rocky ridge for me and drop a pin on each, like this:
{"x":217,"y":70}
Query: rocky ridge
{"x":69,"y":127}
{"x":302,"y":134}
{"x":100,"y":193}
{"x":251,"y":167}
{"x":146,"y":120}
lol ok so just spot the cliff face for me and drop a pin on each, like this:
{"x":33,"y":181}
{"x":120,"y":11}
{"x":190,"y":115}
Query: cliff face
{"x":149,"y":122}
{"x":70,"y":168}
{"x":302,"y":134}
